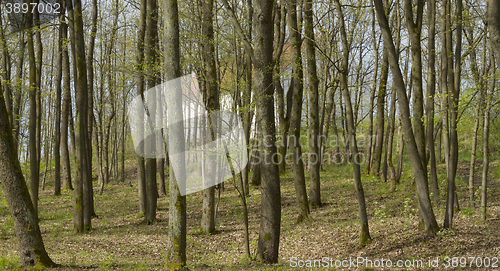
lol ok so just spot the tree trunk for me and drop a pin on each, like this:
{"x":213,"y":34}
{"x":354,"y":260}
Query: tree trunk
{"x":82,"y":202}
{"x":425,"y":206}
{"x":454,"y":90}
{"x":150,"y":62}
{"x":57,"y":134}
{"x":270,"y":218}
{"x":364,"y":237}
{"x":314,"y":151}
{"x":141,"y":170}
{"x":296,"y":116}
{"x":431,"y":92}
{"x":486,"y":134}
{"x":492,"y":11}
{"x":212,"y":104}
{"x":176,"y":248}
{"x":382,"y":89}
{"x":34,"y":168}
{"x":31,"y":248}
{"x":66,"y":106}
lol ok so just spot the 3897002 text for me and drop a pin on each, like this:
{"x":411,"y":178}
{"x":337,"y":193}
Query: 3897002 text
{"x":42,"y":8}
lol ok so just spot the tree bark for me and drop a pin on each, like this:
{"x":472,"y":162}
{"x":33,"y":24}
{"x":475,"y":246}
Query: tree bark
{"x":296,"y":116}
{"x":176,"y":248}
{"x":492,"y":11}
{"x":150,"y":62}
{"x":270,"y":218}
{"x":141,"y":170}
{"x":34,"y":169}
{"x":425,"y":206}
{"x":31,"y":248}
{"x":314,"y":151}
{"x":212,"y":104}
{"x":431,"y":92}
{"x":66,"y":107}
{"x":364,"y":237}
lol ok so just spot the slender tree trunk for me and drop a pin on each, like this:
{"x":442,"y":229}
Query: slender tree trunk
{"x":296,"y":116}
{"x":486,"y":134}
{"x":454,"y":92}
{"x":66,"y":107}
{"x":314,"y":151}
{"x":57,"y":134}
{"x":431,"y":92}
{"x":176,"y":248}
{"x":492,"y":11}
{"x":382,"y":89}
{"x":150,"y":62}
{"x":364,"y":237}
{"x":82,"y":202}
{"x":141,"y":170}
{"x":90,"y":111}
{"x":34,"y":168}
{"x":425,"y":206}
{"x":212,"y":104}
{"x":372,"y":97}
{"x":29,"y":238}
{"x":19,"y":90}
{"x":270,"y":218}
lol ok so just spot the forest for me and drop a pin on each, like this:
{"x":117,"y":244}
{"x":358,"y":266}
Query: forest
{"x":249,"y":134}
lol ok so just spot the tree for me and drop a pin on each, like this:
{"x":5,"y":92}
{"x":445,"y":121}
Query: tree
{"x":34,"y":168}
{"x":22,"y":210}
{"x":176,"y":249}
{"x":141,"y":170}
{"x":296,"y":114}
{"x":57,"y":135}
{"x":364,"y":237}
{"x":82,"y":222}
{"x":431,"y":92}
{"x":492,"y":11}
{"x":314,"y":150}
{"x":212,"y":103}
{"x":270,"y":219}
{"x":425,"y":206}
{"x":66,"y":105}
{"x":150,"y":66}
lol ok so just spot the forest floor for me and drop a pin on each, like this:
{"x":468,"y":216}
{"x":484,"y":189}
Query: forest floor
{"x":119,"y":241}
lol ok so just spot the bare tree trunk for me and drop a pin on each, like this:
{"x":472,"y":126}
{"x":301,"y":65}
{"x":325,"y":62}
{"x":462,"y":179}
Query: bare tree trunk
{"x":296,"y":116}
{"x":486,"y":134}
{"x":141,"y":170}
{"x":57,"y":134}
{"x":212,"y":104}
{"x":270,"y":219}
{"x":492,"y":11}
{"x":19,"y":91}
{"x":66,"y":106}
{"x":314,"y":151}
{"x":176,"y":248}
{"x":82,"y":202}
{"x":453,"y":87}
{"x":150,"y":62}
{"x":382,"y":89}
{"x":431,"y":91}
{"x":31,"y":247}
{"x":372,"y":97}
{"x":34,"y":168}
{"x":425,"y":206}
{"x":364,"y":237}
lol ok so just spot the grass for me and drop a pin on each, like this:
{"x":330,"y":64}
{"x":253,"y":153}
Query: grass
{"x":119,"y":241}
